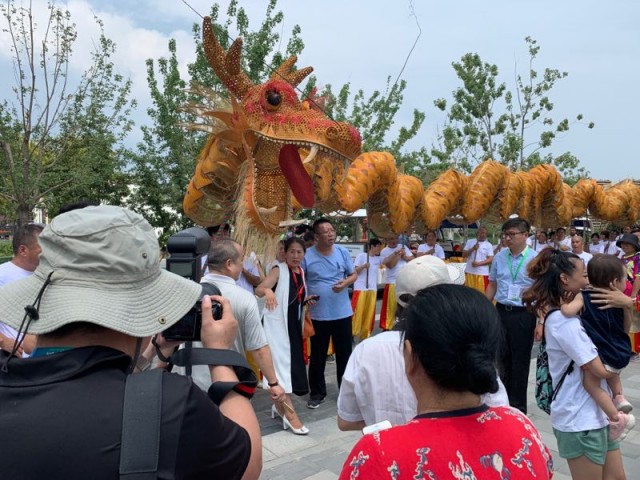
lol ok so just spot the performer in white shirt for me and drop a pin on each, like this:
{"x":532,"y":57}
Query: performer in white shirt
{"x":393,"y":257}
{"x":252,"y":273}
{"x":610,"y":247}
{"x":596,"y":247}
{"x":561,"y":241}
{"x":542,"y":241}
{"x":431,"y":247}
{"x":365,"y":288}
{"x":577,"y":247}
{"x":479,"y":254}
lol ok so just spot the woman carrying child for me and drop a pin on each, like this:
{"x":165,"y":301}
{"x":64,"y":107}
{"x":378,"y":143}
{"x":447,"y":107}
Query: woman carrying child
{"x":580,"y":426}
{"x":608,"y":330}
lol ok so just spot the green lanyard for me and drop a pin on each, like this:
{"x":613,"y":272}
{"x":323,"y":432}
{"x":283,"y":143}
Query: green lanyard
{"x":524,"y":255}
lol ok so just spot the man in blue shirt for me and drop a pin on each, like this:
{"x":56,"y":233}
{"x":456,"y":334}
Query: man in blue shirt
{"x":328,"y":271}
{"x":507,"y":280}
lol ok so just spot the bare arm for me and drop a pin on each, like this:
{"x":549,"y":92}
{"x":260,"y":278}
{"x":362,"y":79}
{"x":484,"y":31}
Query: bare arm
{"x":596,"y":367}
{"x":269,"y":281}
{"x":29,"y":343}
{"x":490,"y":291}
{"x":392,"y":260}
{"x":574,"y":307}
{"x":636,"y":287}
{"x":345,"y":425}
{"x":466,"y":253}
{"x":263,"y":358}
{"x":251,"y":278}
{"x":628,"y":318}
{"x":482,"y":263}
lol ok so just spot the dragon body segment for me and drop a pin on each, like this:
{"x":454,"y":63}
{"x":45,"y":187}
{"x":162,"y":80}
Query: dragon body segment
{"x":274,"y":153}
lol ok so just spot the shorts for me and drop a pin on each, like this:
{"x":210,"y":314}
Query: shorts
{"x":610,"y":369}
{"x":593,"y":444}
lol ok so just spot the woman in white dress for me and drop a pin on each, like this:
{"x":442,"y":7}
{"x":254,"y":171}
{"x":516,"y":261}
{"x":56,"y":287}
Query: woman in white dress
{"x":285,"y":291}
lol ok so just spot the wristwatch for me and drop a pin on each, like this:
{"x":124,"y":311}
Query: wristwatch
{"x":143,"y":364}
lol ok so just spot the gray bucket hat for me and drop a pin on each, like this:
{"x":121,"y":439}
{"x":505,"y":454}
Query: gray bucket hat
{"x":631,"y":240}
{"x":105,"y":269}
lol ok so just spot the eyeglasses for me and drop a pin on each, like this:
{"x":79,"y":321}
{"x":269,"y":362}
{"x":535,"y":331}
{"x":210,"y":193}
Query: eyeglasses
{"x":511,"y":234}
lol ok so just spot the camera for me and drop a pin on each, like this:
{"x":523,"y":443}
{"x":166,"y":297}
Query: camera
{"x":188,"y":251}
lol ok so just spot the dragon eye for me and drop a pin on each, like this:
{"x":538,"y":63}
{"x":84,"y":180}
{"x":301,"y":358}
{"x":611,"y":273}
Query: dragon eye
{"x":274,"y":98}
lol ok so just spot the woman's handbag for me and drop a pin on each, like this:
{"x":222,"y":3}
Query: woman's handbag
{"x":307,"y":327}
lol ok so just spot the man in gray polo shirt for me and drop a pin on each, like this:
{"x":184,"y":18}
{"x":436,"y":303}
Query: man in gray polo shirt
{"x":507,"y":280}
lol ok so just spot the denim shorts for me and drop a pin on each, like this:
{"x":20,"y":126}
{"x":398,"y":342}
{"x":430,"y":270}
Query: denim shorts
{"x":593,"y":444}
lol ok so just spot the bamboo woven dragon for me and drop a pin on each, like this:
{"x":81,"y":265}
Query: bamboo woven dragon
{"x":274,"y":154}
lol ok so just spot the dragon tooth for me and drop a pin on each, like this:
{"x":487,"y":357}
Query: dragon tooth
{"x":312,"y":154}
{"x":267,"y":210}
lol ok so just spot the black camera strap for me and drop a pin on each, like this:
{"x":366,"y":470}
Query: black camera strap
{"x":247,"y":381}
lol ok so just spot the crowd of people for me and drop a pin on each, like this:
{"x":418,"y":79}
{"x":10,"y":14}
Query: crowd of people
{"x":85,"y":302}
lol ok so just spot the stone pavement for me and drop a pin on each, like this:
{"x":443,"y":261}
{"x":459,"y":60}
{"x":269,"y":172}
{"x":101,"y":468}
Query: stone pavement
{"x":320,"y":455}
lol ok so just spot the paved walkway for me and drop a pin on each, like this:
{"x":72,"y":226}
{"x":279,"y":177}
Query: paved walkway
{"x":320,"y":455}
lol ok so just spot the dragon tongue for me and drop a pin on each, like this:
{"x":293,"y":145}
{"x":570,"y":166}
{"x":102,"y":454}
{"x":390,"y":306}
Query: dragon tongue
{"x":297,"y":177}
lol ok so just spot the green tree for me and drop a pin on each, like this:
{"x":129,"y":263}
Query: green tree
{"x":61,"y":137}
{"x":373,"y":115}
{"x":166,"y":158}
{"x":487,"y":121}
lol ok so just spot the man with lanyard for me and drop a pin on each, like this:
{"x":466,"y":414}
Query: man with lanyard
{"x":507,"y":280}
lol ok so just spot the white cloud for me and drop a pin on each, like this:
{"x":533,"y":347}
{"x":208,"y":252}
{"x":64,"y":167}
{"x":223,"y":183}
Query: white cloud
{"x":364,"y":41}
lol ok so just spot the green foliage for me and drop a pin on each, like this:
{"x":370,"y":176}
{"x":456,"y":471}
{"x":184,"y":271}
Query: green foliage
{"x":166,"y":158}
{"x":6,"y":249}
{"x":373,"y":115}
{"x":59,"y":142}
{"x":476,"y":130}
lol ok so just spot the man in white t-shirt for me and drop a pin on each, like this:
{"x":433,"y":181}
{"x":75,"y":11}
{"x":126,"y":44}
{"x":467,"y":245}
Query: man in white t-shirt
{"x":610,"y":247}
{"x":561,"y":241}
{"x":374,"y":386}
{"x":393,"y":257}
{"x":542,"y":241}
{"x":479,"y":254}
{"x":596,"y":247}
{"x":365,"y":288}
{"x":250,"y":276}
{"x":577,"y":247}
{"x":26,"y":256}
{"x":430,"y":247}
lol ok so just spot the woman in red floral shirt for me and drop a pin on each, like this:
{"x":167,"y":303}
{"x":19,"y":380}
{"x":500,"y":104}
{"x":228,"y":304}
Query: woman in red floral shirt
{"x":451,"y":336}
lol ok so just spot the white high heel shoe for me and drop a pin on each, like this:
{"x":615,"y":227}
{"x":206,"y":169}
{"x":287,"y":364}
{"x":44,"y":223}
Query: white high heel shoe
{"x":274,"y":412}
{"x":286,"y":424}
{"x":298,"y":431}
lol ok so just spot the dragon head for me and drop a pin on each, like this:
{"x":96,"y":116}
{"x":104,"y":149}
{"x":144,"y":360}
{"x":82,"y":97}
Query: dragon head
{"x":284,"y":132}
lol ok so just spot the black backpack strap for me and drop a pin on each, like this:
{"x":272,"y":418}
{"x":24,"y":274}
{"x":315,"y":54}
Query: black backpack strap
{"x":569,"y":368}
{"x":141,"y":419}
{"x":564,"y":375}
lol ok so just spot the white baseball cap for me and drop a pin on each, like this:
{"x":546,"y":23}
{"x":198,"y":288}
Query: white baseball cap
{"x":426,"y":271}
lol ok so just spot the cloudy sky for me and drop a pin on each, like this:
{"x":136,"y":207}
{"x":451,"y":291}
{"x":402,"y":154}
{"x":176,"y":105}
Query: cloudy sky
{"x":364,"y":41}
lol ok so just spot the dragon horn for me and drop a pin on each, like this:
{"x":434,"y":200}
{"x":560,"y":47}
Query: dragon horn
{"x":226,"y":65}
{"x":285,"y":72}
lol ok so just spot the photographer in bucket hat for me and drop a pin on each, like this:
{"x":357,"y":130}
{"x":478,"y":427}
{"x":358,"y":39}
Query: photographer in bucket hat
{"x":375,"y":387}
{"x":94,"y":301}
